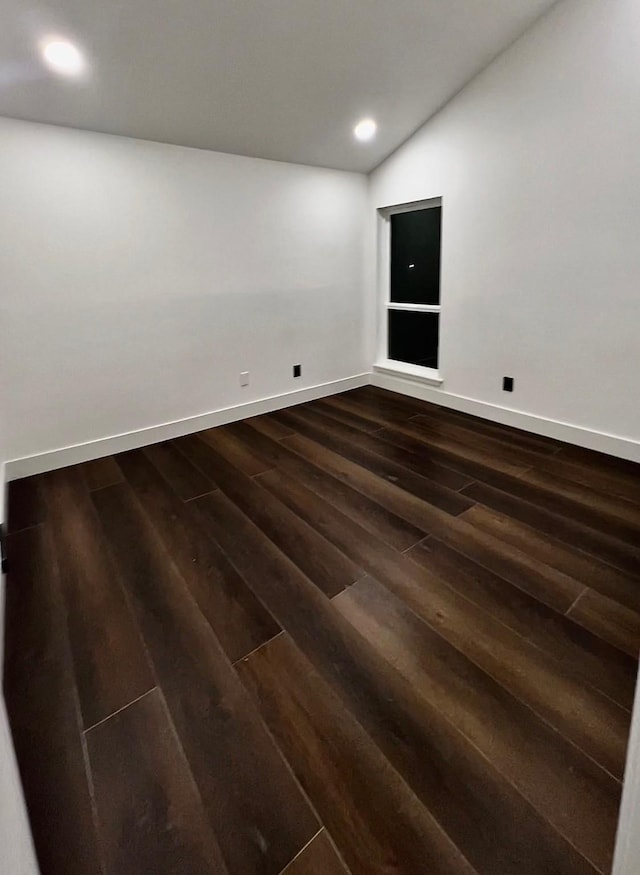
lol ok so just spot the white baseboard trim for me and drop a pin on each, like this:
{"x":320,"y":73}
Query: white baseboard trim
{"x":132,"y":440}
{"x":624,"y":448}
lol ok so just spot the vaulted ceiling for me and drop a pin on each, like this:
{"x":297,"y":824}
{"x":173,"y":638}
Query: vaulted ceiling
{"x":282,"y":79}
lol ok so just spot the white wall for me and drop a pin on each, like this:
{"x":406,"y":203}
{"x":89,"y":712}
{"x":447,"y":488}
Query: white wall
{"x":537,"y":164}
{"x":18,"y":857}
{"x":139,"y":280}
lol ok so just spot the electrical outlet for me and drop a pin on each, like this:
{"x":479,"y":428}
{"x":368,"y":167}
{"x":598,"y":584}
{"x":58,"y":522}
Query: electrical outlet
{"x":297,"y":370}
{"x":507,"y":384}
{"x":244,"y":378}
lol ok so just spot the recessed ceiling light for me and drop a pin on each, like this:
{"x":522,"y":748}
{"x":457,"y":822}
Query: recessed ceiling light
{"x":62,"y":56}
{"x":365,"y":130}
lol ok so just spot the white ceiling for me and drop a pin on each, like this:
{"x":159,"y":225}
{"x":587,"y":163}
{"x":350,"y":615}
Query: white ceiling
{"x":283,"y":79}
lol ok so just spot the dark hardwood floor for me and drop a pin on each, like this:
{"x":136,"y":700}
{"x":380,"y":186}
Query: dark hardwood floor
{"x":363,"y":635}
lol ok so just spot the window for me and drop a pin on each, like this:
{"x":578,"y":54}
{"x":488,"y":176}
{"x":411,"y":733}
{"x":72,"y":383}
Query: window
{"x":411,"y":292}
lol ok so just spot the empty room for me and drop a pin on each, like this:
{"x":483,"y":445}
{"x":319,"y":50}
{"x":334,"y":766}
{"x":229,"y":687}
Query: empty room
{"x":320,"y":437}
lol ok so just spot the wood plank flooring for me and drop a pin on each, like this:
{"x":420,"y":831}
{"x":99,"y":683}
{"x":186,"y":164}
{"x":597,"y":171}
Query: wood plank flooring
{"x":363,"y":635}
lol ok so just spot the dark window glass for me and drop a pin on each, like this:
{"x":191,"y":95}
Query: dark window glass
{"x":413,"y":337}
{"x":415,"y":256}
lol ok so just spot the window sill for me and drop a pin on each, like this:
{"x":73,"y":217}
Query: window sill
{"x":412,"y":372}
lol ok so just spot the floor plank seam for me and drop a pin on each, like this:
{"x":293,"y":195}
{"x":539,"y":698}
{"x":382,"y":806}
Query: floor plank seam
{"x":120,"y":710}
{"x":24,"y":528}
{"x":525,"y":471}
{"x":364,"y":574}
{"x":92,"y":489}
{"x":92,"y":796}
{"x":202,"y":494}
{"x":301,"y":851}
{"x":465,"y":485}
{"x":259,"y":647}
{"x":576,"y":600}
{"x":418,"y":543}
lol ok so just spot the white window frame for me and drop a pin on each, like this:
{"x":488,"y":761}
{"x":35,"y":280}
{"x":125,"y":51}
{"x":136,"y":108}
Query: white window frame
{"x":383,"y":363}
